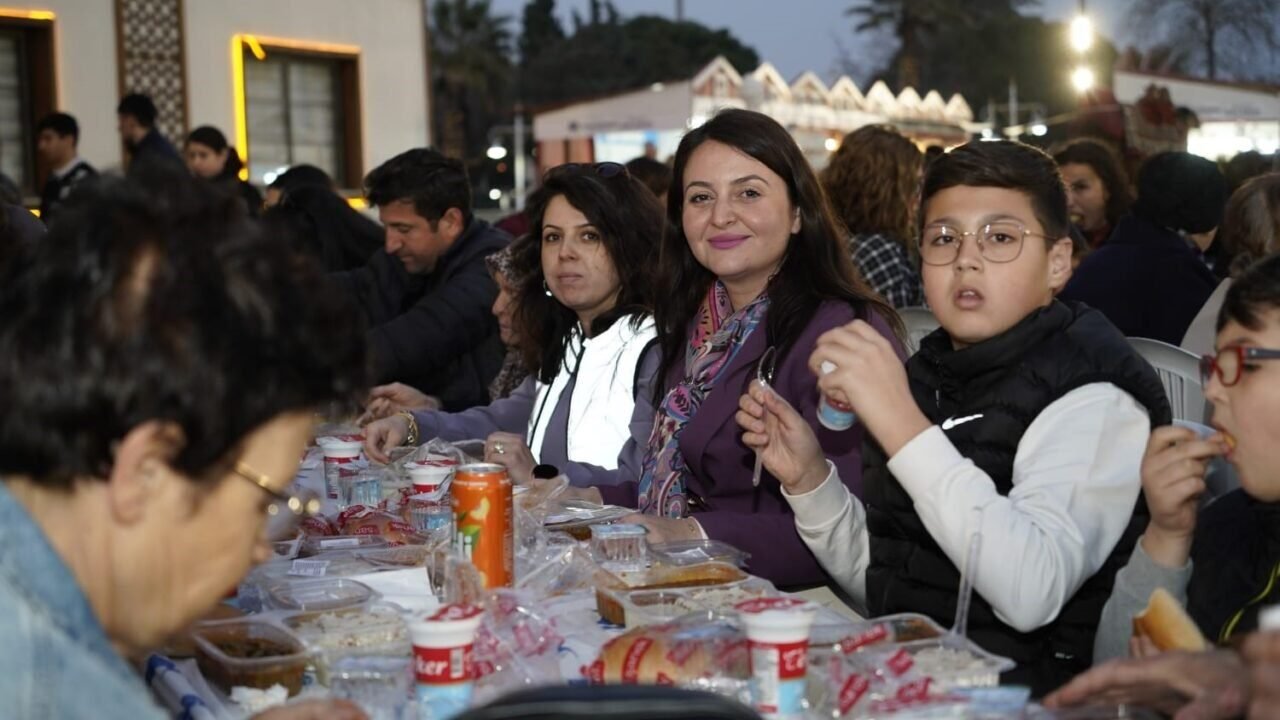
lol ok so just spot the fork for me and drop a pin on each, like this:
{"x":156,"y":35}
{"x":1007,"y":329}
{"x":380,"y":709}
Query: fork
{"x":764,"y":375}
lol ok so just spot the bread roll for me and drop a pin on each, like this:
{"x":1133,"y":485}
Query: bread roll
{"x":648,"y":656}
{"x":1168,"y":625}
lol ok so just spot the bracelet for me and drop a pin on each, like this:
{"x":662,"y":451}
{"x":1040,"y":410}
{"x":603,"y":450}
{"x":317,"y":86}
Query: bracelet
{"x":412,"y":437}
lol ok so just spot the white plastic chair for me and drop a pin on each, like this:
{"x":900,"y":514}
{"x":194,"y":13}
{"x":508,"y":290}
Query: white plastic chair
{"x":919,"y":322}
{"x":1179,"y":371}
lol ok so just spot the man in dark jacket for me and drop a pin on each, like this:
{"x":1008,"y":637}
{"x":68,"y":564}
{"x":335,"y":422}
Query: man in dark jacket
{"x":1148,"y":279}
{"x":137,"y":125}
{"x":427,"y":293}
{"x":57,"y":135}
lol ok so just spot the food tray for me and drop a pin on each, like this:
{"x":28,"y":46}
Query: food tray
{"x":320,"y":544}
{"x":250,"y":653}
{"x":610,"y":595}
{"x":966,"y":666}
{"x":633,"y":608}
{"x":329,"y":636}
{"x":319,"y":594}
{"x":696,"y":552}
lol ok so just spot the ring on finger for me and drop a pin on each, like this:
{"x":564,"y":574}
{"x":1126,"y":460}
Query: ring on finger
{"x":497,"y":447}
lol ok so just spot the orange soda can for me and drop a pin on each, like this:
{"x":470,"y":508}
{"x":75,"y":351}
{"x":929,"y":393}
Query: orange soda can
{"x":483,"y":523}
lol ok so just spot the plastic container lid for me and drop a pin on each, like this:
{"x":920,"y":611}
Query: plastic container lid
{"x":696,"y":552}
{"x":326,"y":543}
{"x":319,"y":594}
{"x":618,"y":530}
{"x":251,"y":653}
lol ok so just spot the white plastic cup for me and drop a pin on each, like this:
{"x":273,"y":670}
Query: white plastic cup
{"x":340,"y":452}
{"x":429,"y":474}
{"x":443,"y":669}
{"x":1269,"y":618}
{"x":778,"y":639}
{"x":832,"y":414}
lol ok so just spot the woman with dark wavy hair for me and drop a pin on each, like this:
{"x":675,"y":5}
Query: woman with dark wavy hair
{"x":1098,"y":192}
{"x":872,"y":182}
{"x":583,"y":322}
{"x":753,"y":262}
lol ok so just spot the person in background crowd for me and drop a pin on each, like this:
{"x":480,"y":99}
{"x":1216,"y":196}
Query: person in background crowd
{"x":137,"y":125}
{"x":148,"y":434}
{"x":583,"y":327}
{"x":387,"y":400}
{"x":1250,"y":232}
{"x":295,"y":177}
{"x":427,"y":293}
{"x":752,"y":264}
{"x":1148,"y":278}
{"x":1245,"y":166}
{"x":872,"y":182}
{"x":322,"y":224}
{"x":1021,"y":418}
{"x":20,"y":232}
{"x":1098,"y":192}
{"x":1221,"y":562}
{"x":654,"y":174}
{"x":211,"y":158}
{"x":57,"y":136}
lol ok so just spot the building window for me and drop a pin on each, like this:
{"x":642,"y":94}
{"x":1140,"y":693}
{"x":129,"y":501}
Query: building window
{"x":301,"y":107}
{"x":27,"y":93}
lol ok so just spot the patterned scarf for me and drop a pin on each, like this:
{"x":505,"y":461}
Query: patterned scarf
{"x":718,"y":335}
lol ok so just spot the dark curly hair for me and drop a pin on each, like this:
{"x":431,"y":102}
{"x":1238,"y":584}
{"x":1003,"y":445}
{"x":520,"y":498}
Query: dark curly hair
{"x":629,"y":219}
{"x":166,"y":304}
{"x":872,"y":182}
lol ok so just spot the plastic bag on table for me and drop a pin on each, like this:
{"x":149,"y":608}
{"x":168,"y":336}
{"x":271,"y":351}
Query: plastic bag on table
{"x":558,"y":565}
{"x":864,"y":675}
{"x":454,"y":580}
{"x":529,"y":514}
{"x":515,"y":647}
{"x":397,"y":487}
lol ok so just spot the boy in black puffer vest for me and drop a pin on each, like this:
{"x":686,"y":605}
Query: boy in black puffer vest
{"x":1021,"y":417}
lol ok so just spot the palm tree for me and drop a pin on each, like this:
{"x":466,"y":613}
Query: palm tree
{"x":914,"y":21}
{"x":471,"y":70}
{"x":1211,"y":26}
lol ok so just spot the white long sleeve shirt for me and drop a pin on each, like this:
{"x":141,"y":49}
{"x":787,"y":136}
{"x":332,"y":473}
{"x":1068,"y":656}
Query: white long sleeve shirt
{"x":1076,"y":477}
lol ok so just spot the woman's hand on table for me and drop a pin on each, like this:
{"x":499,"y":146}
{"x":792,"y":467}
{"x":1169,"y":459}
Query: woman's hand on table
{"x":1173,"y":469}
{"x":665,"y":530}
{"x":380,"y":436}
{"x":314,"y":710}
{"x":510,"y":451}
{"x":1186,"y":685}
{"x":387,"y":400}
{"x":786,"y":444}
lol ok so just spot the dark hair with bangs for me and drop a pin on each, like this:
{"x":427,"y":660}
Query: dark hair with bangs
{"x":162,"y":303}
{"x":815,"y":268}
{"x":629,"y":220}
{"x":1004,"y":164}
{"x":1252,"y":295}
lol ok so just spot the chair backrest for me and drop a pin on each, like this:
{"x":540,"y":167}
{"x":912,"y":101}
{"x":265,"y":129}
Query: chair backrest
{"x":611,"y":702}
{"x":1179,"y":371}
{"x":919,"y":322}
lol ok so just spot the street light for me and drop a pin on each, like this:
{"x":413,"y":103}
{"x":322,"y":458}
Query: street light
{"x":1082,"y":79}
{"x":496,"y":152}
{"x":1081,"y":33}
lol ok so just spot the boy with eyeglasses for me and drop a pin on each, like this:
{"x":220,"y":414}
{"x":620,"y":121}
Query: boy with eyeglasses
{"x":1021,"y":417}
{"x":1222,"y":561}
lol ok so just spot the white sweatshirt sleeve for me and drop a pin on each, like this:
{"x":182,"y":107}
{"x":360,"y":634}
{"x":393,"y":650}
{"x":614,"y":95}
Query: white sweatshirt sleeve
{"x":1076,"y":477}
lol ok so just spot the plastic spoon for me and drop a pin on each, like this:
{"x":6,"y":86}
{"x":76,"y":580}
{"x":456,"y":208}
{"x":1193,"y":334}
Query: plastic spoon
{"x":967,"y":573}
{"x":764,"y":374}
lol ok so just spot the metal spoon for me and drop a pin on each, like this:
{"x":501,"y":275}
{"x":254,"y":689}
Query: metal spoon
{"x":764,"y":375}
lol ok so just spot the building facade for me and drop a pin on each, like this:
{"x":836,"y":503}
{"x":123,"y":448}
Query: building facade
{"x":336,"y":84}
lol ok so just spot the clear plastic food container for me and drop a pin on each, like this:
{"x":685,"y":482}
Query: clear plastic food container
{"x":250,"y":653}
{"x":319,"y":594}
{"x":331,"y":636}
{"x":694,"y":552}
{"x":632,"y":607}
{"x":316,"y":545}
{"x":621,"y":547}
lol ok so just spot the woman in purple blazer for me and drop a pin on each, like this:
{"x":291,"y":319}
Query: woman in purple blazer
{"x":752,"y":259}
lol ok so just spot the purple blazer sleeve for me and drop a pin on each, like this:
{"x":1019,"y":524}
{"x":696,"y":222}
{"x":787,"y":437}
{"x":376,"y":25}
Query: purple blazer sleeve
{"x":766,"y":528}
{"x":509,"y":414}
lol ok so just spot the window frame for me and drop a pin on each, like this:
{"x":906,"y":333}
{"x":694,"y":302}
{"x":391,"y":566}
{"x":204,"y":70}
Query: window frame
{"x":38,"y":86}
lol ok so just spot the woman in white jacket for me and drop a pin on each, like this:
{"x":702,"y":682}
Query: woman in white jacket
{"x":583,"y":322}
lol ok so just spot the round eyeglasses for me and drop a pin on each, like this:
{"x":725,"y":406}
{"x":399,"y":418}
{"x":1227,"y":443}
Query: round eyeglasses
{"x":998,"y":242}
